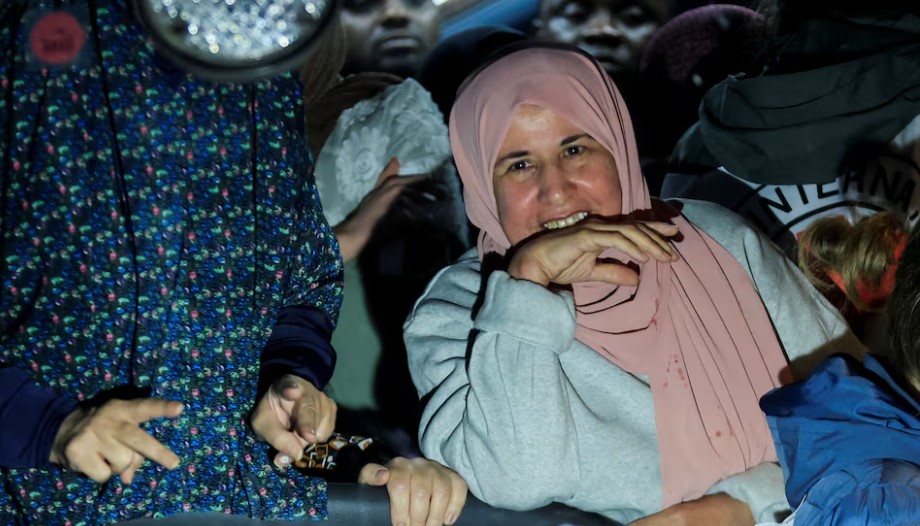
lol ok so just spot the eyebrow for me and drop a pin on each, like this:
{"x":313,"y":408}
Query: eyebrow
{"x":509,"y":156}
{"x":570,"y":140}
{"x":524,"y":153}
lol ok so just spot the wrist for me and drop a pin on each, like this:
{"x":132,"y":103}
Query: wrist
{"x":351,"y":240}
{"x":524,"y":269}
{"x":677,"y":515}
{"x":720,"y":508}
{"x":58,"y":456}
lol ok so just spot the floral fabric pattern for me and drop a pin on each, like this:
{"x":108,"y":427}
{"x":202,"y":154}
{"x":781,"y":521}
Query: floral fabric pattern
{"x":153,"y":225}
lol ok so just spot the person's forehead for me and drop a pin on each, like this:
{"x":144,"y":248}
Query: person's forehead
{"x":661,"y":7}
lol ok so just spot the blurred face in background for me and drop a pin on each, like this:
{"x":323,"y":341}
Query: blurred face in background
{"x":613,"y":31}
{"x":389,"y":35}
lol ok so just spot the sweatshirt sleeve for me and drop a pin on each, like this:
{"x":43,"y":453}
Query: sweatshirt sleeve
{"x":498,"y":402}
{"x":762,"y":488}
{"x":300,"y":344}
{"x":30,"y":416}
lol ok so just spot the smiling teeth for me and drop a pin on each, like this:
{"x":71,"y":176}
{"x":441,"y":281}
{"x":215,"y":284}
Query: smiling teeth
{"x":562,"y":223}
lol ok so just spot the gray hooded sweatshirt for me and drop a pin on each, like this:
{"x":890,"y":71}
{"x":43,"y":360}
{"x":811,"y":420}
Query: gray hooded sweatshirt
{"x":528,"y":415}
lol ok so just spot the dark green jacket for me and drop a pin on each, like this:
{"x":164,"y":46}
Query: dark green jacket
{"x":831,"y":86}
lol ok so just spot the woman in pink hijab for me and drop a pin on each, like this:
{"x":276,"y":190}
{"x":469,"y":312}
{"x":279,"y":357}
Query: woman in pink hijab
{"x":602,"y":349}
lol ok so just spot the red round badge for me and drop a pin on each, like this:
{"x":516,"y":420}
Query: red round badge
{"x":57,"y":38}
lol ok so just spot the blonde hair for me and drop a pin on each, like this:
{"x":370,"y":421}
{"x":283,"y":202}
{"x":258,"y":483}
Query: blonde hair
{"x":858,"y":253}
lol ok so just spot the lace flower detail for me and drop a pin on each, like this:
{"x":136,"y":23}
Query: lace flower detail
{"x":401,"y":122}
{"x":357,"y":170}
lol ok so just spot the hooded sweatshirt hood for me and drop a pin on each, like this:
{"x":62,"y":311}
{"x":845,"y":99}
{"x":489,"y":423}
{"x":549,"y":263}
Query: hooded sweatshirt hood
{"x":831,"y":86}
{"x":846,"y":413}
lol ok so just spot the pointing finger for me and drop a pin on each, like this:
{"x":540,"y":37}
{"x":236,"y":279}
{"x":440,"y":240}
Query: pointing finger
{"x":144,"y":409}
{"x":665,"y":229}
{"x":648,"y":242}
{"x":661,"y":245}
{"x":603,"y":240}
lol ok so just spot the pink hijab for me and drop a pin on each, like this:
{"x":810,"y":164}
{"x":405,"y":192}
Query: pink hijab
{"x":697,"y":328}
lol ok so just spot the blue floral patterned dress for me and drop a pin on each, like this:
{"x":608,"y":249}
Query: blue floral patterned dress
{"x":153,"y":225}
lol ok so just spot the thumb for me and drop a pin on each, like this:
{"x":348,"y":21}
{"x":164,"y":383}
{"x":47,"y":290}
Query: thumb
{"x":391,"y":169}
{"x":290,"y":392}
{"x":268,"y":425}
{"x":374,"y":475}
{"x":289,"y":446}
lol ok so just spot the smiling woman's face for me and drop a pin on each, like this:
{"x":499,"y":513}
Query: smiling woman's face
{"x":551,"y":174}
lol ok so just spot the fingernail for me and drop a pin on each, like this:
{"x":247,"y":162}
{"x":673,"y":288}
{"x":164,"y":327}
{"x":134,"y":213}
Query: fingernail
{"x":284,"y":460}
{"x":382,"y":472}
{"x":450,"y":518}
{"x":400,"y":524}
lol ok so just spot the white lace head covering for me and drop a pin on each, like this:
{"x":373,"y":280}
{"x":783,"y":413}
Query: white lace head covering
{"x":402,"y":122}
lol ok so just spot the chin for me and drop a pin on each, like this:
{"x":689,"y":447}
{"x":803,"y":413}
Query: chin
{"x":400,"y":67}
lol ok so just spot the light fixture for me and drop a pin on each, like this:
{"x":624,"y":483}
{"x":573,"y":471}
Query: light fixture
{"x":236,"y":40}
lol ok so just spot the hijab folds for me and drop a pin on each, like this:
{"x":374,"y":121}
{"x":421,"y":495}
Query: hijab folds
{"x":696,"y":328}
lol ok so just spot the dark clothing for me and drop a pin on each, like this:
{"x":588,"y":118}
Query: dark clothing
{"x":30,"y":416}
{"x":848,"y":439}
{"x":300,"y":344}
{"x":686,"y":57}
{"x":831,"y":86}
{"x":781,"y":149}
